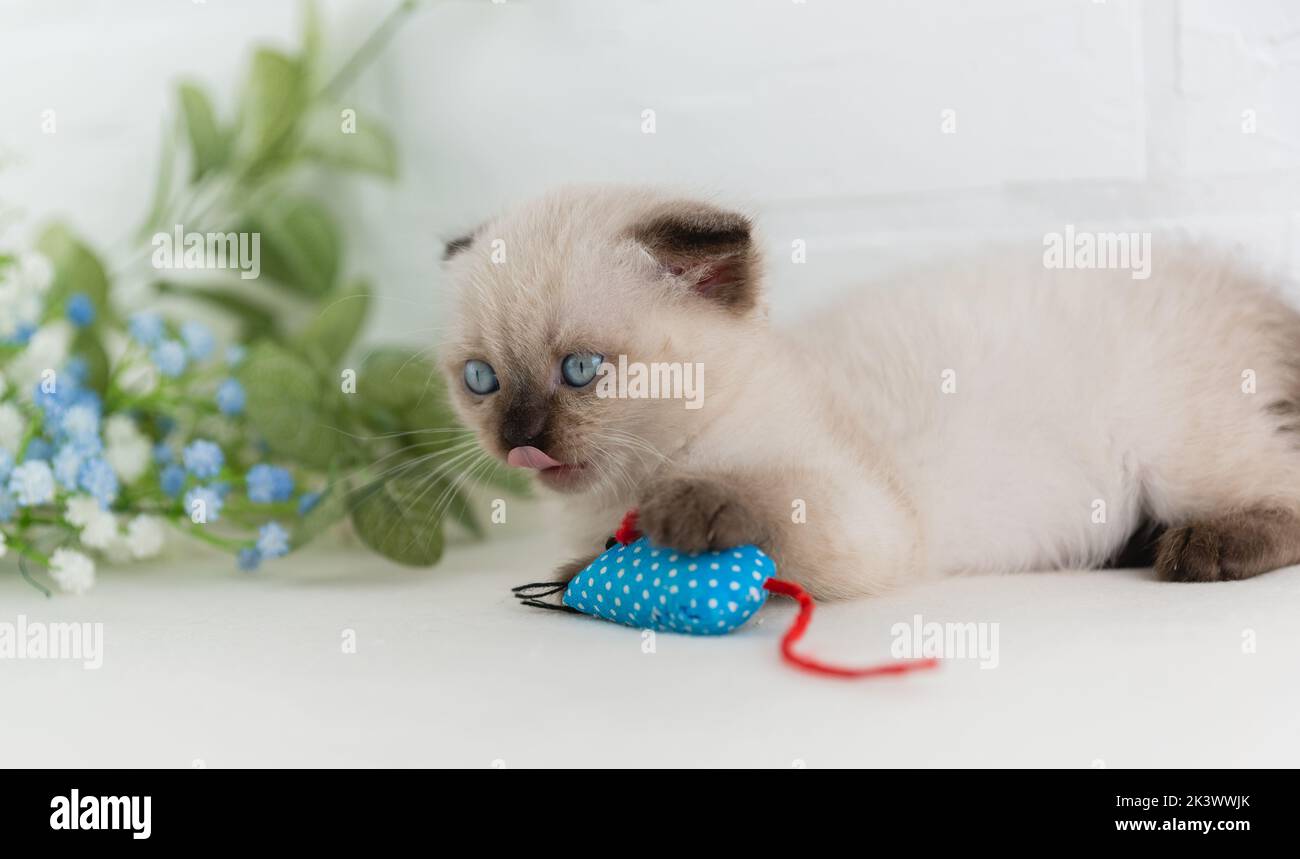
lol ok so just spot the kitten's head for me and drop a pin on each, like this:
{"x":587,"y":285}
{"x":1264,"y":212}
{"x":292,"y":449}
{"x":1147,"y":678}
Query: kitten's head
{"x":552,"y":296}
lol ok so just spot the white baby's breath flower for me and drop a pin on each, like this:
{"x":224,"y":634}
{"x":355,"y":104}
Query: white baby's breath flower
{"x":47,"y":350}
{"x":128,"y":451}
{"x":117,"y":552}
{"x":81,"y":509}
{"x":140,"y":378}
{"x":119,"y":428}
{"x":72,"y":571}
{"x":129,"y":460}
{"x":144,"y":536}
{"x":21,"y":288}
{"x":4,"y":545}
{"x":35,"y":271}
{"x":100,"y":530}
{"x":12,"y":427}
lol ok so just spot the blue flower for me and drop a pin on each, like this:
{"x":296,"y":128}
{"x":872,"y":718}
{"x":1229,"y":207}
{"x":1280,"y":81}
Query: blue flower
{"x":6,"y":464}
{"x":98,"y":478}
{"x":210,"y":500}
{"x":169,"y":355}
{"x":282,"y":483}
{"x":146,"y":327}
{"x":81,"y":310}
{"x":23,"y":333}
{"x":198,"y":339}
{"x":162,"y":453}
{"x":55,"y":398}
{"x":272,"y":540}
{"x":203,"y":459}
{"x":80,"y":423}
{"x":307,"y":502}
{"x":67,"y":466}
{"x":38,"y":448}
{"x":32,"y":483}
{"x":268,"y":483}
{"x":172,"y":480}
{"x":8,"y":506}
{"x":230,"y":397}
{"x":75,"y":369}
{"x":249,"y":559}
{"x":235,"y":354}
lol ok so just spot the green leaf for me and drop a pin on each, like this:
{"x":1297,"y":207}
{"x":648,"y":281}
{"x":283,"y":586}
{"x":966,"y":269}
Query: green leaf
{"x":256,"y":320}
{"x":331,"y":508}
{"x":87,"y":346}
{"x":274,"y":99}
{"x":343,"y":312}
{"x":400,"y":520}
{"x":311,"y":41}
{"x":300,"y":244}
{"x":76,"y":269}
{"x":349,"y":142}
{"x":459,"y":506}
{"x":404,"y":383}
{"x":162,"y":186}
{"x":209,"y":146}
{"x":283,"y":403}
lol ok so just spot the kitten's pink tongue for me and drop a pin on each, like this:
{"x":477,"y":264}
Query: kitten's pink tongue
{"x":530,"y":457}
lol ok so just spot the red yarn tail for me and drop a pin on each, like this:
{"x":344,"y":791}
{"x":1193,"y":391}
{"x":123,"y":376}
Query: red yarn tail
{"x":800,"y":625}
{"x":627,"y":532}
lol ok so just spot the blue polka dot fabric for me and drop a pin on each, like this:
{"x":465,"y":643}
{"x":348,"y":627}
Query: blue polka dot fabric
{"x":642,"y":585}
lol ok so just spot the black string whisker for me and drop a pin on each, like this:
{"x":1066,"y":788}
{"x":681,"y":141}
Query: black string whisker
{"x":551,"y":606}
{"x":538,"y":589}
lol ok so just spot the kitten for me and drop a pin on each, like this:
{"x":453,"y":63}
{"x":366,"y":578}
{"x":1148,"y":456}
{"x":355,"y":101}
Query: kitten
{"x":995,"y":416}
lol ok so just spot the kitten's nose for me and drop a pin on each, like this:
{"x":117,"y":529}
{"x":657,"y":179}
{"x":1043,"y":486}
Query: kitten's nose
{"x":524,"y":426}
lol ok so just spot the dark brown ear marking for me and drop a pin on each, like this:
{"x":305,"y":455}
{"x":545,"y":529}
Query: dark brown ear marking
{"x":711,"y":248}
{"x":457,"y":245}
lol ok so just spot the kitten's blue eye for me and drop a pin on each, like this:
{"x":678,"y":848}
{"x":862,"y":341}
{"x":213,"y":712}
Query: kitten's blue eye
{"x":580,"y":368}
{"x":480,"y":377}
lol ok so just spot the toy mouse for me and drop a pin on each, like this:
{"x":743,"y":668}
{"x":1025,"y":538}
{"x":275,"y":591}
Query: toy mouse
{"x":635,"y":583}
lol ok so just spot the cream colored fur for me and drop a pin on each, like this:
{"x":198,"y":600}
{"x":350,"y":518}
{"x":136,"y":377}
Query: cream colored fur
{"x":1071,"y":388}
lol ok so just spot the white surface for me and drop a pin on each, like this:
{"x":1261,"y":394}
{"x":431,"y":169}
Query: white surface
{"x":204,"y":663}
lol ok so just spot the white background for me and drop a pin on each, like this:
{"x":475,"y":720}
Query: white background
{"x":823,"y":117}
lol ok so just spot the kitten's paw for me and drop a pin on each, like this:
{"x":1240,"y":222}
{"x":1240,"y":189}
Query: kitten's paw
{"x":1202,"y":552}
{"x":695,"y":514}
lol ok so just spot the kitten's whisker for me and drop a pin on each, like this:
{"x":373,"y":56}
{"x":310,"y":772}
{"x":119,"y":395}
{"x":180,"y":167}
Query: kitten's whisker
{"x":454,"y":448}
{"x":388,"y":435}
{"x":425,"y":484}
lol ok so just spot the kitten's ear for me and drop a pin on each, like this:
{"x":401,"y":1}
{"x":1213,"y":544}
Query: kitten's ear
{"x":456,"y":245}
{"x":707,"y":248}
{"x":461,"y":243}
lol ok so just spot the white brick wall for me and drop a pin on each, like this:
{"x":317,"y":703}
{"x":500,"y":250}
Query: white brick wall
{"x":823,"y":115}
